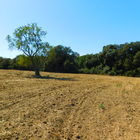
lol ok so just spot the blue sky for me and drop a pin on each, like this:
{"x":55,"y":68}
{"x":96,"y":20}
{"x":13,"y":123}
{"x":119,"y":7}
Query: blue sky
{"x":84,"y":25}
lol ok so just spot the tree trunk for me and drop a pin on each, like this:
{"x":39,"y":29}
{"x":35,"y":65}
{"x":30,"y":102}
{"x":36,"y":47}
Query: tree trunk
{"x":35,"y":67}
{"x":37,"y":73}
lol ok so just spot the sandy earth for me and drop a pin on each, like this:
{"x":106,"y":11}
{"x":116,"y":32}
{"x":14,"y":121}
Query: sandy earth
{"x":68,"y":107}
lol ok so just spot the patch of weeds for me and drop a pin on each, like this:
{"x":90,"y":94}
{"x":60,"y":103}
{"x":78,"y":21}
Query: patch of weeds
{"x":102,"y":106}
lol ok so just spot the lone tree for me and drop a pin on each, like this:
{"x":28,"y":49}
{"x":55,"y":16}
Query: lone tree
{"x":28,"y":39}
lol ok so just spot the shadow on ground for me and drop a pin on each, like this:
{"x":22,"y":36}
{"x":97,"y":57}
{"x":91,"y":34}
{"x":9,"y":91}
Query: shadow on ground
{"x":52,"y":77}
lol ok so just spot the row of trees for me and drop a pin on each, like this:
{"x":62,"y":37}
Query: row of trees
{"x":123,"y":59}
{"x":57,"y":59}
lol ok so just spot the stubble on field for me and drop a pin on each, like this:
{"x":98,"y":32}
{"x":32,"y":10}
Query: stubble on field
{"x":68,"y":107}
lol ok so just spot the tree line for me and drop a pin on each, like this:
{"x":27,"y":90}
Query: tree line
{"x":123,"y":59}
{"x":58,"y":59}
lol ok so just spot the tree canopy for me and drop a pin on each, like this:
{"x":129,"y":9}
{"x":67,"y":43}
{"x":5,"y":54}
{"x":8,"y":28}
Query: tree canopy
{"x":61,"y":59}
{"x":28,"y":39}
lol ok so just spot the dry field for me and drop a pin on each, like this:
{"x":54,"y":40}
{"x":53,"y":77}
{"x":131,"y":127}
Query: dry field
{"x":68,"y":107}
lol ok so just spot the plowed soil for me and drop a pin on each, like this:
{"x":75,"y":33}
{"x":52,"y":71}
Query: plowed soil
{"x":68,"y":107}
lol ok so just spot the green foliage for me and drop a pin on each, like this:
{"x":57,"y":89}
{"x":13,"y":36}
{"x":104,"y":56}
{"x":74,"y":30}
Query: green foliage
{"x":123,"y":59}
{"x":24,"y":61}
{"x":61,"y":59}
{"x":85,"y":70}
{"x":102,"y":106}
{"x":5,"y":63}
{"x":136,"y":59}
{"x":113,"y":72}
{"x":28,"y":39}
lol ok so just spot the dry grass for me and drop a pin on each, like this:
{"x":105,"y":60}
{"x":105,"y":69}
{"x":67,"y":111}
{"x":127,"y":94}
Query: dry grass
{"x":68,"y":107}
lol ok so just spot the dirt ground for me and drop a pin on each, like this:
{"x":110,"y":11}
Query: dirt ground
{"x":68,"y":107}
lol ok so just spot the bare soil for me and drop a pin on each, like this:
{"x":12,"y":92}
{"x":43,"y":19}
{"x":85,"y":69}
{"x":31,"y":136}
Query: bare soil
{"x":68,"y":107}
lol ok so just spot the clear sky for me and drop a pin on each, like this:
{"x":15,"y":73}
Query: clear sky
{"x":84,"y":25}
